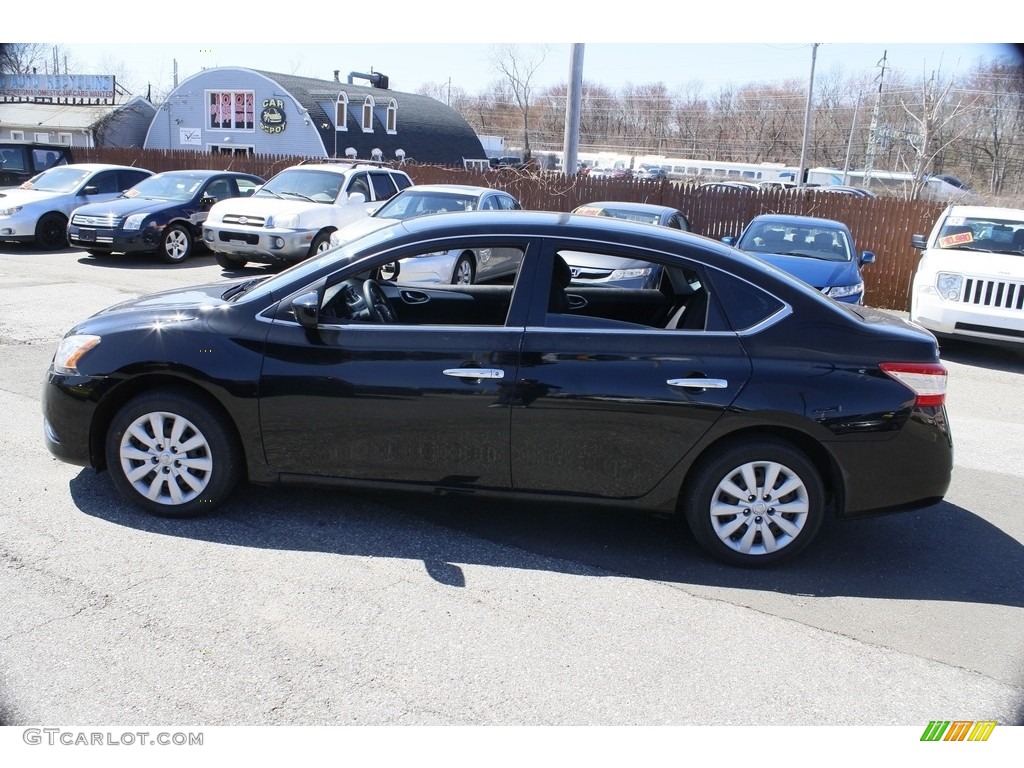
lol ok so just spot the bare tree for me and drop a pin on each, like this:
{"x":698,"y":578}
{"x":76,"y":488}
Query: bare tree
{"x":519,"y":70}
{"x":24,"y":58}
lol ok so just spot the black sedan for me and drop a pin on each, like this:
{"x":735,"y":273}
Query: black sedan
{"x":163,"y":214}
{"x":734,"y":395}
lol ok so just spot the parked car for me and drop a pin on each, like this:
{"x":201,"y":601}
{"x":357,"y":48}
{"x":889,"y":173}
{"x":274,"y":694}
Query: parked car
{"x":970,"y":280}
{"x":37,"y":211}
{"x":604,"y":269}
{"x":654,"y":173}
{"x":162,"y":214}
{"x":735,"y":397}
{"x":292,"y":216}
{"x":456,"y":266}
{"x":818,"y":251}
{"x":21,"y":160}
{"x":729,"y":186}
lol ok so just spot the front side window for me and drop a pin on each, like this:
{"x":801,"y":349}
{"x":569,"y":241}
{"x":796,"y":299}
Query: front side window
{"x":232,"y":110}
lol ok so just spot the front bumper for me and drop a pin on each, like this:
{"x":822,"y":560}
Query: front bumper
{"x":114,"y":240}
{"x":263,"y":245}
{"x":947,"y":318}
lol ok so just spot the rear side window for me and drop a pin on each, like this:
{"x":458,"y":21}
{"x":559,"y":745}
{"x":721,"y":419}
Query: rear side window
{"x":383,"y":187}
{"x":401,"y":180}
{"x":745,"y":305}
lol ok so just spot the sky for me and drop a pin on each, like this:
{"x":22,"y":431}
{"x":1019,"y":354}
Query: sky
{"x":640,"y":42}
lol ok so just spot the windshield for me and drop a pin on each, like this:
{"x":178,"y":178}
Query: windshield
{"x":982,"y":233}
{"x":813,"y":241}
{"x":167,"y":186}
{"x":61,"y":179}
{"x":304,"y":184}
{"x":411,"y":203}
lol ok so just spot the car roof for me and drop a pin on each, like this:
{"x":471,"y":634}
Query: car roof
{"x":627,"y":206}
{"x":982,"y":211}
{"x":462,"y":189}
{"x":342,"y":168}
{"x":797,"y":221}
{"x":98,"y":167}
{"x":207,"y":173}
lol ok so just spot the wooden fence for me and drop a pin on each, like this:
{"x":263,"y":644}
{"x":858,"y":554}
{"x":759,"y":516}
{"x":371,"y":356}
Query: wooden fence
{"x":882,"y":225}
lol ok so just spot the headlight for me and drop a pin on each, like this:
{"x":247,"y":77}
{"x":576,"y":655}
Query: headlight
{"x":284,"y":221}
{"x":10,"y":211}
{"x":134,"y":221}
{"x":71,"y":350}
{"x":629,"y":274}
{"x":839,"y":291}
{"x":949,"y":285}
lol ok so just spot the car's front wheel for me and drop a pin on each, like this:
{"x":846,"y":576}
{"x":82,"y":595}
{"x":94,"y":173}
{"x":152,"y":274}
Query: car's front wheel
{"x":172,"y":454}
{"x":51,"y":231}
{"x":755,"y":503}
{"x":321,"y":243}
{"x":176,"y":244}
{"x":465,"y":270}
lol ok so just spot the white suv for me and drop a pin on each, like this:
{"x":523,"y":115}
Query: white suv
{"x":970,"y":280}
{"x":292,"y":216}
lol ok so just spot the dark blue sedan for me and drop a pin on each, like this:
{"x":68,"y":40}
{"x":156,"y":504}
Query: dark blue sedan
{"x":820,"y":252}
{"x":163,"y":214}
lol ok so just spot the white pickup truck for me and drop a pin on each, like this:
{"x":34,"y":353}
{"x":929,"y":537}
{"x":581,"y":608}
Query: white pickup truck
{"x":292,"y":216}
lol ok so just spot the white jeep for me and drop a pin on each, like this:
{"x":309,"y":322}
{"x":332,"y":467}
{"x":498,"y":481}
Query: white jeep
{"x":292,"y":216}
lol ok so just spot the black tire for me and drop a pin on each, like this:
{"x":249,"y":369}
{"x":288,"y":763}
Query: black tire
{"x":172,"y":455}
{"x":51,"y":231}
{"x":176,"y":244}
{"x":228,"y":262}
{"x":465,"y":270}
{"x":764,"y":529}
{"x":321,"y":243}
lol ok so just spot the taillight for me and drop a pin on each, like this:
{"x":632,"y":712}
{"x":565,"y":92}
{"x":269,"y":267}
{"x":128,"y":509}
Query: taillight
{"x":926,"y":380}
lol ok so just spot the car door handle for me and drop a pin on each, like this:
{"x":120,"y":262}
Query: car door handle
{"x":475,"y":373}
{"x":698,"y":383}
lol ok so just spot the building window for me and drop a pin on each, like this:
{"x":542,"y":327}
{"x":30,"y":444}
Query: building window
{"x":232,"y":109}
{"x":231,"y":149}
{"x":17,"y":135}
{"x":341,"y":112}
{"x":64,"y":138}
{"x":368,"y":115}
{"x":41,"y":137}
{"x":393,"y":116}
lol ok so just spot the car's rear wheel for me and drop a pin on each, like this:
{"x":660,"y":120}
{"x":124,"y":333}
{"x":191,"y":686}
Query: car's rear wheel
{"x":465,"y":270}
{"x":51,"y":231}
{"x":228,"y":262}
{"x":755,"y":503}
{"x":172,"y":454}
{"x":176,"y":244}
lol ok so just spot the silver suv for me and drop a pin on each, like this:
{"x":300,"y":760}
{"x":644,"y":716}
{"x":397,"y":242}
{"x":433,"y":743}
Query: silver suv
{"x":292,"y":216}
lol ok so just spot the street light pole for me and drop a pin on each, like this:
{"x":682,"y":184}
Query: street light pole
{"x":807,"y":119}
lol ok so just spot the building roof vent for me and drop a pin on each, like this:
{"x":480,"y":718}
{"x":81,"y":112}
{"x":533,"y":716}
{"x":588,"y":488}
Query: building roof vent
{"x":376,"y":79}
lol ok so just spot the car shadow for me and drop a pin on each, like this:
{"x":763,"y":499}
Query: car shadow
{"x":145,"y":261}
{"x":992,"y":356}
{"x":942,"y":553}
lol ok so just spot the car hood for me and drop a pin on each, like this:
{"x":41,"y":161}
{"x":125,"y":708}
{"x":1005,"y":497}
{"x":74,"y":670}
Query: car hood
{"x":124,"y":206}
{"x":976,"y":262}
{"x":816,"y":272}
{"x":264,"y":205}
{"x":160,"y":309}
{"x":18,"y":196}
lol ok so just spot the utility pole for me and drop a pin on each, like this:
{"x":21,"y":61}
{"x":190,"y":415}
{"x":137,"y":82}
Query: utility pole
{"x":807,"y":119}
{"x":869,"y":164}
{"x":849,"y":143}
{"x":573,"y":101}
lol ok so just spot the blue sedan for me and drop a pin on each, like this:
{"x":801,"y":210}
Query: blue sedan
{"x":820,"y":252}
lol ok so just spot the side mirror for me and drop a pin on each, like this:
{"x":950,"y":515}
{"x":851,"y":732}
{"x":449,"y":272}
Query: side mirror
{"x":357,"y":197}
{"x":919,"y":241}
{"x":867,"y":258}
{"x":307,"y":310}
{"x":91,"y":190}
{"x":207,"y":200}
{"x":390,"y":270}
{"x":729,"y":240}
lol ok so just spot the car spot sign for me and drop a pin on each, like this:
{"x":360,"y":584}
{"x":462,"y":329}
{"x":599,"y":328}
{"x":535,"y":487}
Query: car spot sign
{"x":957,"y":239}
{"x":272,"y":118}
